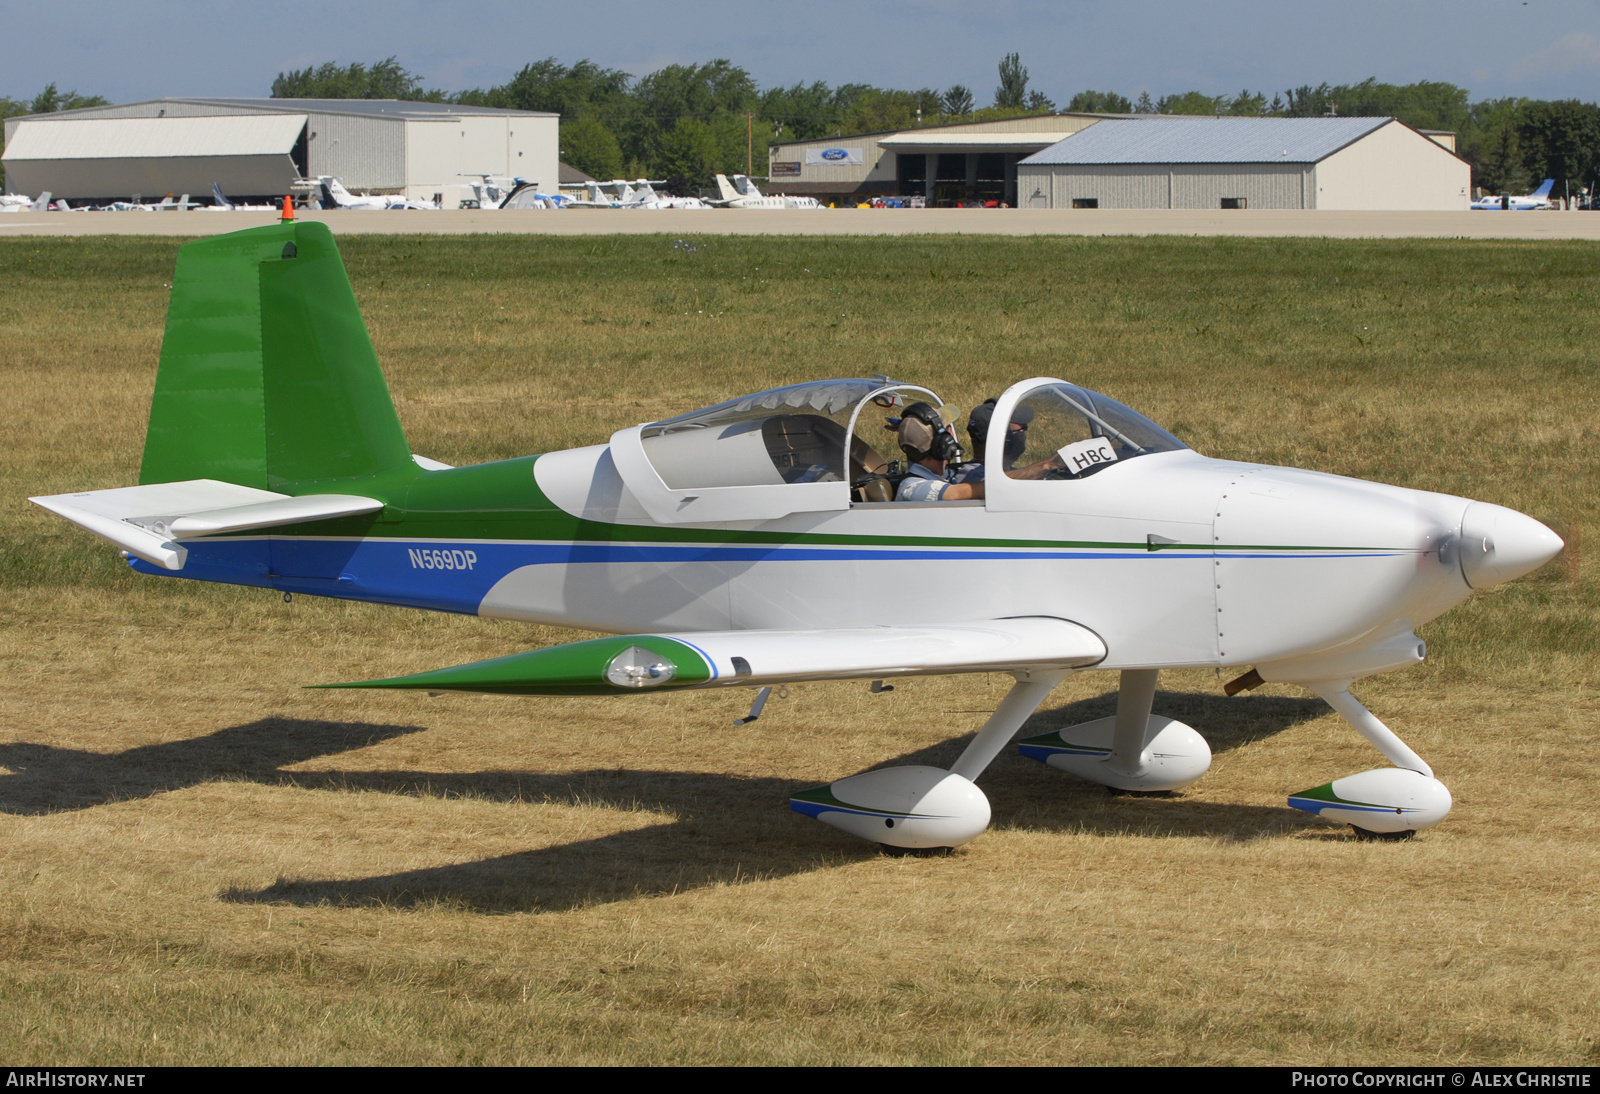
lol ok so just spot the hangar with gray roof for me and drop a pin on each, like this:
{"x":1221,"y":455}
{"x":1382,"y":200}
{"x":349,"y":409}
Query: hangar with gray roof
{"x":257,"y":148}
{"x":1237,"y":163}
{"x":1088,"y":161}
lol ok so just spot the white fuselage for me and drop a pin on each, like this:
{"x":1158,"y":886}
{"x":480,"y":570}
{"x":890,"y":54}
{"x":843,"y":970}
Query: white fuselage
{"x":1249,"y":564}
{"x":775,"y":201}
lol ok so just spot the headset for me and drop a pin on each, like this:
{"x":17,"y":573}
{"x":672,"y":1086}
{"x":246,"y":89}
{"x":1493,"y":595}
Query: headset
{"x":941,"y":445}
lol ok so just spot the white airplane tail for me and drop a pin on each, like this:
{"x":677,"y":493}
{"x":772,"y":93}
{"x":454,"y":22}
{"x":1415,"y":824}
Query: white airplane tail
{"x":335,"y":191}
{"x":726,"y":188}
{"x":43,"y":204}
{"x":1544,"y":189}
{"x":747,"y":187}
{"x":219,"y":198}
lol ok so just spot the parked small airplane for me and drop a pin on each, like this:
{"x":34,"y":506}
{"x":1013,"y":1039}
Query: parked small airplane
{"x":631,"y":194}
{"x":335,"y":196}
{"x":490,"y":191}
{"x":499,"y":192}
{"x":220,"y":201}
{"x":595,"y":196}
{"x":136,"y":204}
{"x":21,"y":203}
{"x":526,"y":195}
{"x":167,"y":204}
{"x":1539,"y":199}
{"x":755,"y":542}
{"x":645,"y":197}
{"x":742,"y":193}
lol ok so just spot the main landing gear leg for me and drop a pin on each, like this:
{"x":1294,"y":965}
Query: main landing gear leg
{"x":1135,"y":699}
{"x":1018,"y":705}
{"x":1387,"y":802}
{"x":928,"y":807}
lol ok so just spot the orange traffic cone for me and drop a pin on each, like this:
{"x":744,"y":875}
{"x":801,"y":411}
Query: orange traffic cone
{"x":288,"y":207}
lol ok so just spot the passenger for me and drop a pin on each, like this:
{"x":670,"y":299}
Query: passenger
{"x":929,"y":442}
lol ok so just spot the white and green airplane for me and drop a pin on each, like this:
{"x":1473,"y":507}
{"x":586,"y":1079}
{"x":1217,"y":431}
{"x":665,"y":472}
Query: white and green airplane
{"x":754,"y":543}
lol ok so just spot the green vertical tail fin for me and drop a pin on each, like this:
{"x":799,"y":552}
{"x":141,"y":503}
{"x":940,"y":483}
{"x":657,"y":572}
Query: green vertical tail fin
{"x":267,"y":377}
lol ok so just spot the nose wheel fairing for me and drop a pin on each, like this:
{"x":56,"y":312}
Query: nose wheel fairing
{"x":1384,"y":801}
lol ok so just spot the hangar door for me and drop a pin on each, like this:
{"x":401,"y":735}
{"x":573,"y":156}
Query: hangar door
{"x":252,"y":155}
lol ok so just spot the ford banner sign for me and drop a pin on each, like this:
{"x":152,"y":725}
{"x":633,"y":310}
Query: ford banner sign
{"x":834,"y":157}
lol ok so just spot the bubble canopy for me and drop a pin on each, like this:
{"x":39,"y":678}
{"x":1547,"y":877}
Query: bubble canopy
{"x":801,"y":429}
{"x":805,"y":447}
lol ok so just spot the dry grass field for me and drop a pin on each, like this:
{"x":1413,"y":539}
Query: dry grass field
{"x":200,"y":862}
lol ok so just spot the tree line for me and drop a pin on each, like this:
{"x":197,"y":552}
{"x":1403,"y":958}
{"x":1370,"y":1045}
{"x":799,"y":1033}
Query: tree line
{"x":687,"y":122}
{"x":690,"y":121}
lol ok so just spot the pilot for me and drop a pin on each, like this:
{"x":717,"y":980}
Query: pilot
{"x":929,"y":442}
{"x":978,"y":430}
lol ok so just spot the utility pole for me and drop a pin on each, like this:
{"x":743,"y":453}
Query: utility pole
{"x":749,"y":144}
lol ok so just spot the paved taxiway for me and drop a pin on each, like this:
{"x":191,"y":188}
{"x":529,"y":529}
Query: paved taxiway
{"x":1334,"y":224}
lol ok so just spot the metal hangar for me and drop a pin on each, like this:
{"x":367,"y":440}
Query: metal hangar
{"x":1255,"y":163}
{"x":255,"y":148}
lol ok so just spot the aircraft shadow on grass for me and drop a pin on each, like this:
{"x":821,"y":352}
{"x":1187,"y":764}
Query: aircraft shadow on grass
{"x":728,"y":828}
{"x":45,"y":779}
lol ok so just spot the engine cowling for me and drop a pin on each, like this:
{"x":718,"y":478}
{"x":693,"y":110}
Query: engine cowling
{"x":910,"y":807}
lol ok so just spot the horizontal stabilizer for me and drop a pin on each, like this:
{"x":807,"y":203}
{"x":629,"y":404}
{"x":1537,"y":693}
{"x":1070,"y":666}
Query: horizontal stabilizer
{"x":642,"y":662}
{"x":149,"y":522}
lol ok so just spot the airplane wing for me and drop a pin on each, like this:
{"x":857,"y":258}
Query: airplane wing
{"x":150,"y":522}
{"x":642,"y":662}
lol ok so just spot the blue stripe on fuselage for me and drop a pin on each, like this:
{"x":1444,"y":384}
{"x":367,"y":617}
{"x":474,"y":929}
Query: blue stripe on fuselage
{"x":455,"y":575}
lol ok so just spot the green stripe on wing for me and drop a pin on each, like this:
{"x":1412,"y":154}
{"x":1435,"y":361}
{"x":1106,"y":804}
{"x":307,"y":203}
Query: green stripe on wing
{"x":577,"y":668}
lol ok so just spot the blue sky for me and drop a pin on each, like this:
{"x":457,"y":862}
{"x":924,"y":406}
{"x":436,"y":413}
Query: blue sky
{"x":1541,"y":48}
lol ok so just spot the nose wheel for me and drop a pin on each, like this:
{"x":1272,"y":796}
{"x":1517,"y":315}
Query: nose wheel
{"x":1387,"y":803}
